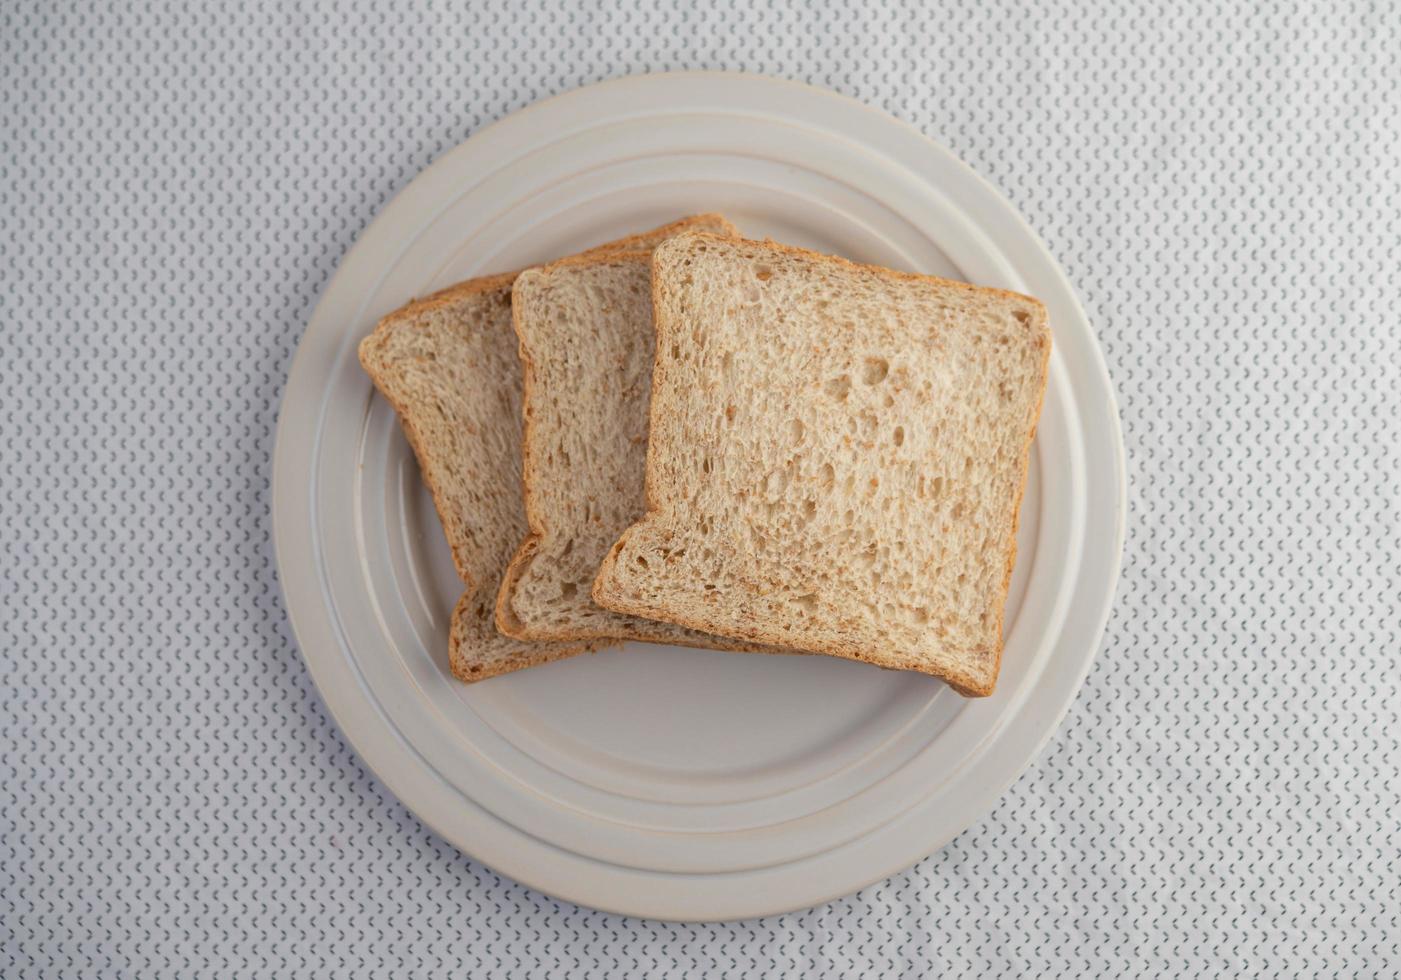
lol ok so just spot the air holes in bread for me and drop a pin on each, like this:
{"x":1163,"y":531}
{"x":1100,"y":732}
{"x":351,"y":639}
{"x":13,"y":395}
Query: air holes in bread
{"x":776,"y":483}
{"x":838,"y":387}
{"x":874,"y":370}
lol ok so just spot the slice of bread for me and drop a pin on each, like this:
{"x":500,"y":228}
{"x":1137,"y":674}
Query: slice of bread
{"x":837,"y":460}
{"x":587,"y":344}
{"x":449,"y":366}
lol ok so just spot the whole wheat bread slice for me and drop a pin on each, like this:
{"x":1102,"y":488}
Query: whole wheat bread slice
{"x":838,"y":455}
{"x":587,"y":345}
{"x":448,"y":365}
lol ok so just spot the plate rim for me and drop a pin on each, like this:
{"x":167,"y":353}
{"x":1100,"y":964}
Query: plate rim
{"x":351,"y":717}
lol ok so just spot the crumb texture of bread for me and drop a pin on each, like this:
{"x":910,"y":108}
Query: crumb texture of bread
{"x":449,"y":366}
{"x":587,"y":344}
{"x":838,"y":455}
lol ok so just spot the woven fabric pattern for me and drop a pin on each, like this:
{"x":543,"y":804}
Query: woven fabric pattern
{"x":1223,"y":186}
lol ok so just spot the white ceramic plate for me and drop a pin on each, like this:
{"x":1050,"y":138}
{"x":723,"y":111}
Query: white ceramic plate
{"x":659,"y":781}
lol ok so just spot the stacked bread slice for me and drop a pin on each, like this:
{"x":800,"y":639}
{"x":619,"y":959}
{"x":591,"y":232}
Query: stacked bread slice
{"x":587,"y":345}
{"x":717,"y":442}
{"x":449,"y":366}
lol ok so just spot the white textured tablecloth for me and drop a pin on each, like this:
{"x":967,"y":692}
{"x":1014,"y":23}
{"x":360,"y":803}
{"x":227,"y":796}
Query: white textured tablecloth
{"x":1223,"y":187}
